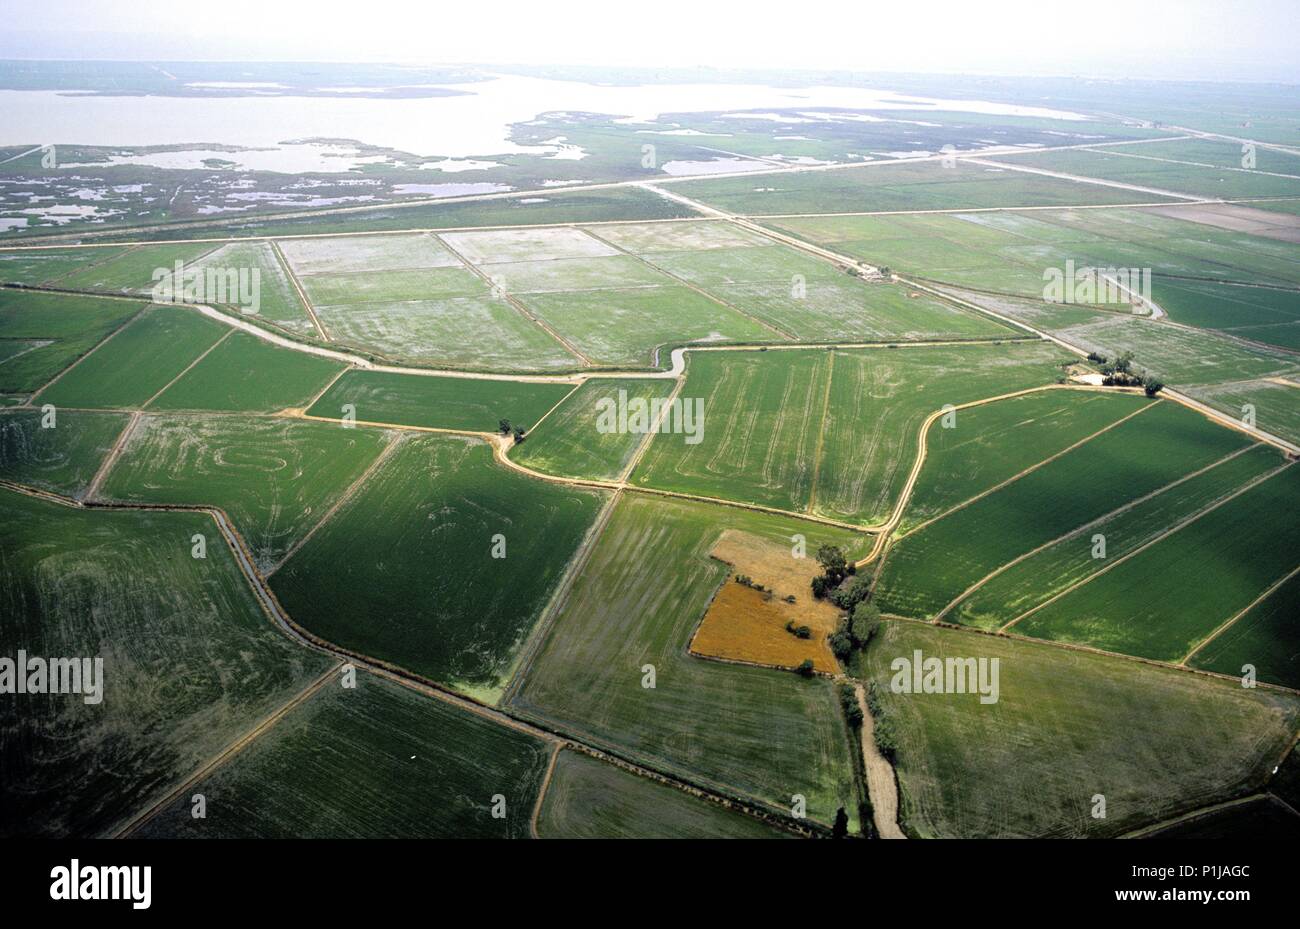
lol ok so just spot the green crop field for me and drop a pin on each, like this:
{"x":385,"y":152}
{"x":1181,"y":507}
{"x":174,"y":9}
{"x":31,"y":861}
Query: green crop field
{"x":440,"y":563}
{"x":47,"y":266}
{"x":768,"y":415}
{"x":898,"y":186}
{"x":809,"y":299}
{"x":571,"y":444}
{"x":1225,"y":180}
{"x":471,"y":404}
{"x":190,"y":661}
{"x":1260,"y":314}
{"x":636,"y":603}
{"x":1023,"y":585}
{"x":274,"y":478}
{"x":133,"y":270}
{"x":137,"y":362}
{"x":51,"y":331}
{"x":589,"y":799}
{"x":1265,"y":636}
{"x":1009,"y":252}
{"x":481,"y":333}
{"x":375,"y":761}
{"x":247,"y":374}
{"x":62,"y":458}
{"x":630,"y":327}
{"x":1069,"y":725}
{"x":1167,"y":598}
{"x":990,"y":444}
{"x":927,"y":570}
{"x":278,"y":302}
{"x":1274,"y":407}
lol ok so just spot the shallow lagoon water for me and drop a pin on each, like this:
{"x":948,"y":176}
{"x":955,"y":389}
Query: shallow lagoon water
{"x":460,"y":126}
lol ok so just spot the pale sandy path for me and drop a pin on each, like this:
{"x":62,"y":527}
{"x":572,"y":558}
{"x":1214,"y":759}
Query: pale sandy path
{"x":882,"y":788}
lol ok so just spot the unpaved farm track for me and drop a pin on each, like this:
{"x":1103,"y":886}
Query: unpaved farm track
{"x":882,"y":787}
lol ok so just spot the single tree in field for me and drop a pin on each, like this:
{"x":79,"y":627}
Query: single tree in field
{"x":503,"y":426}
{"x":1152,"y":386}
{"x":805,"y":668}
{"x":519,"y":433}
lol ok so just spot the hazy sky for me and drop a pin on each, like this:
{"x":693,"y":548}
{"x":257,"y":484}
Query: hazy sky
{"x":1250,"y":40}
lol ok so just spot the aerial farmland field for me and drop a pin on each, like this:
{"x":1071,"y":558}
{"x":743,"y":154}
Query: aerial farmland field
{"x":394,"y":763}
{"x":448,"y":576}
{"x":701,"y":451}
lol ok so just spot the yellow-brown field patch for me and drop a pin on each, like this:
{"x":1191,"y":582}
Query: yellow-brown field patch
{"x":745,"y":624}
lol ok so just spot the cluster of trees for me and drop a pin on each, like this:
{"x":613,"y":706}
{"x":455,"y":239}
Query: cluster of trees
{"x":505,"y":428}
{"x":799,"y":632}
{"x":835,"y":568}
{"x":1122,"y":373}
{"x":840,"y":583}
{"x":882,"y":726}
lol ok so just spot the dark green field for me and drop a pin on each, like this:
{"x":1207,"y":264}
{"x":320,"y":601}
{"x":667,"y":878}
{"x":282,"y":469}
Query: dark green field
{"x":405,"y":572}
{"x":137,"y":362}
{"x":50,"y":332}
{"x":190,"y":661}
{"x":248,"y":374}
{"x":468,"y":404}
{"x":64,"y":458}
{"x":376,"y":761}
{"x":274,"y":478}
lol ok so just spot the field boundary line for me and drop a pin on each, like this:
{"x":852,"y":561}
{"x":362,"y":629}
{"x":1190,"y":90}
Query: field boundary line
{"x":101,"y":473}
{"x":533,"y":428}
{"x":983,"y":209}
{"x":315,"y":399}
{"x":541,"y":791}
{"x":821,"y":433}
{"x":1250,"y":606}
{"x":186,"y":370}
{"x":344,"y":497}
{"x":1198,"y":813}
{"x":1025,"y":472}
{"x":1171,"y":530}
{"x":209,"y":767}
{"x":555,"y":603}
{"x":297,"y":286}
{"x":513,"y":301}
{"x":640,"y":451}
{"x":1201,"y":164}
{"x":771,"y":327}
{"x":90,"y":351}
{"x":128,"y":247}
{"x":1105,"y":517}
{"x":1082,"y":178}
